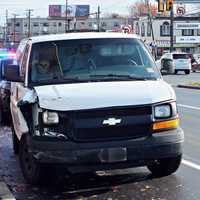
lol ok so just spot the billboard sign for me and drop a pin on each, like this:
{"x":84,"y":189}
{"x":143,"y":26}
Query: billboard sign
{"x":55,"y":10}
{"x":82,"y":10}
{"x":182,"y":26}
{"x":72,"y":11}
{"x":188,"y":39}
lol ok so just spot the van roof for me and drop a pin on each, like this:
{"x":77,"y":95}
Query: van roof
{"x":75,"y":36}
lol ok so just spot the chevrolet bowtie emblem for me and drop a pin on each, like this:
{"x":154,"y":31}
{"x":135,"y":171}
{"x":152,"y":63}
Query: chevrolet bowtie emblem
{"x":112,"y":121}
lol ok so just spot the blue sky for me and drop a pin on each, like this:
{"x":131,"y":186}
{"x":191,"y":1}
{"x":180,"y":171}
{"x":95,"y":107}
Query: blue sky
{"x":41,"y":6}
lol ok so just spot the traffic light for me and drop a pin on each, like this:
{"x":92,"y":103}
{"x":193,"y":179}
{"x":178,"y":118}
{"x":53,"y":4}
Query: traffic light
{"x":169,"y":5}
{"x":160,"y":6}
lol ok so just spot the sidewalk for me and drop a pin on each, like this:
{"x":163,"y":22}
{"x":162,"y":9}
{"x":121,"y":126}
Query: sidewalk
{"x":190,"y":85}
{"x":5,"y":193}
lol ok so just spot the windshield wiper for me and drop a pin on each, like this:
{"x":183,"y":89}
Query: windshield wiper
{"x":119,"y":77}
{"x":74,"y":79}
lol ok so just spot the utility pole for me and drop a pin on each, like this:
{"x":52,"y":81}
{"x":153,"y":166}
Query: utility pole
{"x":66,"y":17}
{"x":171,"y":29}
{"x":6,"y":29}
{"x":151,"y":25}
{"x":14,"y":29}
{"x":98,"y":19}
{"x":29,"y":21}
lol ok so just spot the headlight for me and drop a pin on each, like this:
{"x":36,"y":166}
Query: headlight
{"x":163,"y":111}
{"x":166,"y":116}
{"x":50,"y":117}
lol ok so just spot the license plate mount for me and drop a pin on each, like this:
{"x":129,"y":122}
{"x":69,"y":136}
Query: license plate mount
{"x":112,"y":155}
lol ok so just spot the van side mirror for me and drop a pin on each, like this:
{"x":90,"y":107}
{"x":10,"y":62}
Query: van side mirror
{"x":11,"y":73}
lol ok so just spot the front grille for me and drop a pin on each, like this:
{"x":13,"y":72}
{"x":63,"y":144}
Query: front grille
{"x":112,"y":133}
{"x":119,"y":111}
{"x":87,"y":125}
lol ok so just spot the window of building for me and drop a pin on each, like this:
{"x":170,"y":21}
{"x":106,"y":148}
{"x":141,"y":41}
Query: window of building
{"x":187,"y":32}
{"x":137,"y":28}
{"x":25,"y":25}
{"x":60,"y":24}
{"x":148,"y":29}
{"x":103,"y":24}
{"x":90,"y":24}
{"x":116,"y":24}
{"x":35,"y":24}
{"x":46,"y":24}
{"x":165,"y":29}
{"x":198,"y":32}
{"x":54,"y":24}
{"x":142,"y":29}
{"x":17,"y":24}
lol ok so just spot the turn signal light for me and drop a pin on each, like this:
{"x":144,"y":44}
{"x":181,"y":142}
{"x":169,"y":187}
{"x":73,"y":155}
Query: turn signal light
{"x":166,"y":124}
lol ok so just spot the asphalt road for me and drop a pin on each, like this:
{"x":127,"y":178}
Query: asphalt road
{"x":135,"y":184}
{"x":181,"y":78}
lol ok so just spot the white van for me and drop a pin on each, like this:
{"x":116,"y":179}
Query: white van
{"x":91,"y":101}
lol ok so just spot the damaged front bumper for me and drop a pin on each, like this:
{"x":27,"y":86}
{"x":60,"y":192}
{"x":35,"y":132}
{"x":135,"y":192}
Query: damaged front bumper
{"x":108,"y":155}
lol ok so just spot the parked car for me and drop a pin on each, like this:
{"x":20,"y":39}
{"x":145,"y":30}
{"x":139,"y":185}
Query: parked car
{"x":196,"y":63}
{"x":91,"y":101}
{"x":179,"y":61}
{"x":4,"y":93}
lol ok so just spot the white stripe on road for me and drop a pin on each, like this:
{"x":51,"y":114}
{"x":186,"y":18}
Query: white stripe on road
{"x":187,"y":106}
{"x":191,"y":164}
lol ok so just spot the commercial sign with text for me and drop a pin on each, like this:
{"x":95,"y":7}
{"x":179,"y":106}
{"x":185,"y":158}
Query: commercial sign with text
{"x":188,"y":39}
{"x":187,"y":26}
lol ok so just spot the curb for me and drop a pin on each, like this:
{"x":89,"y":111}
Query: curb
{"x":188,"y":87}
{"x":5,"y":193}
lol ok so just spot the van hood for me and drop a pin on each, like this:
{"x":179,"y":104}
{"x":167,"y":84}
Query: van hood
{"x":80,"y":96}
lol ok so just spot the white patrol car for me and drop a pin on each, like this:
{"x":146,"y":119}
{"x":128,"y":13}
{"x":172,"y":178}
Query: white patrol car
{"x":91,"y":101}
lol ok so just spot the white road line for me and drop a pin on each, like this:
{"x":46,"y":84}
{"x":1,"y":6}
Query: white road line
{"x":187,"y":106}
{"x":191,"y":164}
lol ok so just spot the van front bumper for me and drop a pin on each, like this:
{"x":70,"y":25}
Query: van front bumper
{"x":108,"y":155}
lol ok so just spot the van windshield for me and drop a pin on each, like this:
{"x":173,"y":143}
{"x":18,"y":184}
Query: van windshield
{"x":91,"y":60}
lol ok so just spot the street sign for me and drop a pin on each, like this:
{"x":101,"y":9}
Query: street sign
{"x":180,"y":11}
{"x":187,"y":26}
{"x":127,"y":29}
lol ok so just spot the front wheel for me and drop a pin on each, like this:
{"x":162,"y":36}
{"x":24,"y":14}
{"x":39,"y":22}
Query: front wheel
{"x":31,"y":170}
{"x":165,"y":166}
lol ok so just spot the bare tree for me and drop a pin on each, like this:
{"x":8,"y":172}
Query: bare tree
{"x":140,"y":8}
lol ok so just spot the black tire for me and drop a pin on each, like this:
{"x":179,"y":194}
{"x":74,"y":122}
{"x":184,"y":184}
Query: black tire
{"x":165,"y":166}
{"x":15,"y":141}
{"x":187,"y":71}
{"x":175,"y":71}
{"x":32,"y":171}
